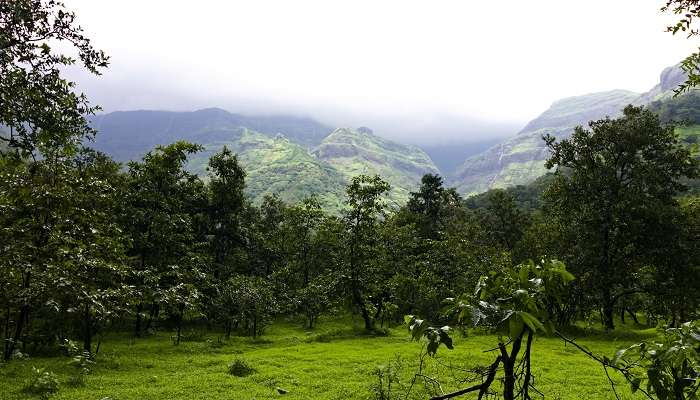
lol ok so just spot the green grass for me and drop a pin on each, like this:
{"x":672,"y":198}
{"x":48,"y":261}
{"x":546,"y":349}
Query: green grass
{"x":331,"y":362}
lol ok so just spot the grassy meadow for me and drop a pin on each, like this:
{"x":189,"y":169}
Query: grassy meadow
{"x":334,"y":361}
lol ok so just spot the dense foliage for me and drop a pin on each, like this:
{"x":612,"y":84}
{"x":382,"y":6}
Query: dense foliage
{"x":90,"y":246}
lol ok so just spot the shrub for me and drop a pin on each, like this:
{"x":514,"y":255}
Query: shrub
{"x":79,"y":359}
{"x":240,"y":367}
{"x":42,"y":383}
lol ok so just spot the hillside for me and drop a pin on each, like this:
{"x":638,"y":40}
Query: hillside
{"x":354,"y":152}
{"x":275,"y":165}
{"x":128,"y":135}
{"x":288,"y":156}
{"x":520,"y":159}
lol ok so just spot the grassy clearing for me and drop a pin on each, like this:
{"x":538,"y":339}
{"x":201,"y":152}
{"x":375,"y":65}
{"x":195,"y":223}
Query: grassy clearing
{"x":331,"y":362}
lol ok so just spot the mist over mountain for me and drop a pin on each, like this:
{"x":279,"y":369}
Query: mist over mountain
{"x":296,"y":156}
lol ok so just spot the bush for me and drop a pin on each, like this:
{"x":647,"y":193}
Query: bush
{"x":81,"y":360}
{"x":240,"y":367}
{"x":42,"y":383}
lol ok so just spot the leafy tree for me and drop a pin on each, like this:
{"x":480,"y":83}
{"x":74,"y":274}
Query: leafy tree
{"x":503,"y":220}
{"x":514,"y":302}
{"x":429,"y":208}
{"x":265,"y":238}
{"x":160,"y":199}
{"x":255,"y":302}
{"x":309,"y":259}
{"x":675,"y":283}
{"x":362,"y":278}
{"x":226,"y":203}
{"x":37,"y":105}
{"x":223,"y":229}
{"x":93,"y":278}
{"x":45,"y":123}
{"x":614,"y":190}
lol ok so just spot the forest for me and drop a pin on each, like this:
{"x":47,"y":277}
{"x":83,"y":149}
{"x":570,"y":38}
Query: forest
{"x":145,"y":280}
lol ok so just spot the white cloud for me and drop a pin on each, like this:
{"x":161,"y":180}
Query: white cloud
{"x":367,"y":60}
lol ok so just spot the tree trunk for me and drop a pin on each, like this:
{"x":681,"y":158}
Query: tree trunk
{"x":608,"y":311}
{"x":528,"y":372}
{"x":6,"y":336}
{"x":633,"y":315}
{"x":369,"y":323}
{"x":509,"y":361}
{"x":23,"y":314}
{"x":228,"y":329}
{"x":179,"y":322}
{"x":255,"y":327}
{"x":137,"y":325}
{"x":87,"y":339}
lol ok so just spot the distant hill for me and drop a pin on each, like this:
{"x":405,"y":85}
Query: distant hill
{"x":354,"y":152}
{"x":288,"y":156}
{"x":128,"y":135}
{"x":276,"y":165}
{"x":449,"y":155}
{"x":520,"y":160}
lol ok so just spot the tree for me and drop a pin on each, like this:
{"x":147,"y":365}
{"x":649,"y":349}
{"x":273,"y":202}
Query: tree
{"x":159,"y":203}
{"x":37,"y":105}
{"x":675,"y":284}
{"x":255,"y":302}
{"x":614,"y":189}
{"x":503,"y":220}
{"x":429,"y":207}
{"x":226,"y":202}
{"x":264,"y":236}
{"x":46,"y":123}
{"x":309,"y":253}
{"x":365,"y":205}
{"x":93,"y":275}
{"x":513,"y":302}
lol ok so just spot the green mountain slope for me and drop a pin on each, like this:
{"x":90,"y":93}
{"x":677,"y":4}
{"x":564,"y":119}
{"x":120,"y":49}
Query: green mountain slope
{"x":128,"y":135}
{"x":278,"y":159}
{"x":520,"y":159}
{"x":275,"y":165}
{"x":355,"y":152}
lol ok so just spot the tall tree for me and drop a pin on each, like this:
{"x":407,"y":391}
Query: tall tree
{"x":365,"y":206}
{"x":45,"y":122}
{"x":503,"y":220}
{"x":158,"y":215}
{"x":37,"y":104}
{"x":429,"y":208}
{"x":615,"y":183}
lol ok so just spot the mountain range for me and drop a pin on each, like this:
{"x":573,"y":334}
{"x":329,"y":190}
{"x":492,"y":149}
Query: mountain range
{"x":294,"y":157}
{"x":277,"y":154}
{"x":520,"y":159}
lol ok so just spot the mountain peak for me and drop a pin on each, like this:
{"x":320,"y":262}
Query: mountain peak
{"x":671,"y":77}
{"x":365,"y":130}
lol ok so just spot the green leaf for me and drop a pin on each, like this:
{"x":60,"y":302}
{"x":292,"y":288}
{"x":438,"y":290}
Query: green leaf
{"x":515,"y":325}
{"x":533,"y":323}
{"x":635,"y":383}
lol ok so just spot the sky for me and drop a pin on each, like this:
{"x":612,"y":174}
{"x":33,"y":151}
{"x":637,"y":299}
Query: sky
{"x":420,"y":71}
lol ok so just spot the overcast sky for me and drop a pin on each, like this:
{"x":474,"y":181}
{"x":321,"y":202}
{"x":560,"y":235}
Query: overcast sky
{"x":412,"y":69}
